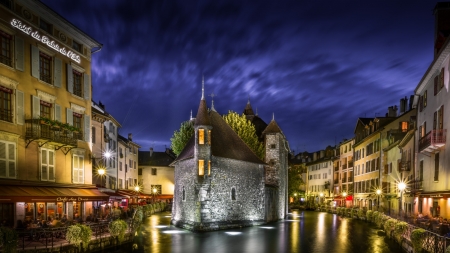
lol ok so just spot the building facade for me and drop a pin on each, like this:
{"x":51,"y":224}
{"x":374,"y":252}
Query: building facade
{"x":320,"y":176}
{"x":45,"y":119}
{"x":343,"y":174}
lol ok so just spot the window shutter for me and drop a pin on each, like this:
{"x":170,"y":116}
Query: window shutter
{"x":58,"y":72}
{"x":51,"y":165}
{"x":75,"y":169}
{"x":19,"y":48}
{"x":69,"y":78}
{"x":441,"y":79}
{"x":434,"y":120}
{"x":20,"y":120}
{"x":81,"y":170}
{"x":44,"y":168}
{"x":87,"y":86}
{"x":69,"y":116}
{"x":35,"y":62}
{"x":87,"y":128}
{"x":436,"y":78}
{"x":36,"y":107}
{"x":58,"y":112}
{"x":2,"y":159}
{"x":12,"y":160}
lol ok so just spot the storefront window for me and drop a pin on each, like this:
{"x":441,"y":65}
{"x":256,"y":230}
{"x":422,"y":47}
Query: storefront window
{"x":29,"y":212}
{"x":60,"y":210}
{"x":51,"y":210}
{"x":40,"y":211}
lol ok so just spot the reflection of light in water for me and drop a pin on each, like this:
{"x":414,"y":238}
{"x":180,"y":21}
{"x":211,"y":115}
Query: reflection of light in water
{"x":292,"y":220}
{"x":342,"y":235}
{"x":173,"y":232}
{"x":168,"y":216}
{"x":320,"y":229}
{"x":294,"y":238}
{"x":233,"y":233}
{"x":268,"y":227}
{"x":160,"y":226}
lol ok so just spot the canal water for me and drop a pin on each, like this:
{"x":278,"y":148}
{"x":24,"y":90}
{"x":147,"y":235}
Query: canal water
{"x":302,"y":231}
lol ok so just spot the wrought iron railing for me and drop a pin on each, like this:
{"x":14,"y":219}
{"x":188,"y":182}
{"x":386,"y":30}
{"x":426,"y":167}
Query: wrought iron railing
{"x":433,"y":138}
{"x":37,"y":130}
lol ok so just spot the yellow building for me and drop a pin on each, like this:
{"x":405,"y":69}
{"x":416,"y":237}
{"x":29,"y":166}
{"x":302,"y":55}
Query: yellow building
{"x":343,"y":174}
{"x":45,"y":114}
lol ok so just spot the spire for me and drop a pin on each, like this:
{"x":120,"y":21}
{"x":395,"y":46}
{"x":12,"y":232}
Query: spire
{"x":248,"y":102}
{"x":203,"y":87}
{"x":273,"y":116}
{"x":191,"y":116}
{"x":212,"y":101}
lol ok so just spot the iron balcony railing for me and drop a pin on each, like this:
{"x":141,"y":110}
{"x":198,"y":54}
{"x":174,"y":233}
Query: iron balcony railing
{"x":433,"y":140}
{"x":416,"y":185}
{"x":35,"y":130}
{"x":404,"y":166}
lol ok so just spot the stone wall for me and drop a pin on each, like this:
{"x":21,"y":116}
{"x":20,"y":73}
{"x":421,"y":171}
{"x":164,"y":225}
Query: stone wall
{"x":208,"y":201}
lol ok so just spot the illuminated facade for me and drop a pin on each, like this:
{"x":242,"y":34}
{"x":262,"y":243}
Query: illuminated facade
{"x":432,"y":177}
{"x":343,"y":174}
{"x":220,"y":183}
{"x":320,"y":175}
{"x":45,"y":116}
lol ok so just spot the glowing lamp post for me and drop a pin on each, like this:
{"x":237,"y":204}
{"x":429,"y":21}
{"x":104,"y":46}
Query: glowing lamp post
{"x":154,"y":191}
{"x":401,"y":187}
{"x":101,"y":172}
{"x":137,"y":189}
{"x":321,"y":196}
{"x":378,"y":194}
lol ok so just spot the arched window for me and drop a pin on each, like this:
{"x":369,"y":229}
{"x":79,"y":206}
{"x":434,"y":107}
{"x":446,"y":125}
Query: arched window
{"x":233,"y":193}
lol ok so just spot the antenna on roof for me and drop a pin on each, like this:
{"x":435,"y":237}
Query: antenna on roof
{"x":203,"y":87}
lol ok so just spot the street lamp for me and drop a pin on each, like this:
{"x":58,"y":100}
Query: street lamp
{"x":101,"y":172}
{"x":401,"y":187}
{"x":154,"y":192}
{"x":378,"y":202}
{"x":321,"y":196}
{"x":137,"y":189}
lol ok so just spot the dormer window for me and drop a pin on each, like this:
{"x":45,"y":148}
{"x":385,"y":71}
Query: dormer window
{"x":201,"y":136}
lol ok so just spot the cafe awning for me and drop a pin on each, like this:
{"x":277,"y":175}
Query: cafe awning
{"x":10,"y":193}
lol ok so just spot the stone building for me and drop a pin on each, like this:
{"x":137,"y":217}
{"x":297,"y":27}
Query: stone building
{"x":220,"y":183}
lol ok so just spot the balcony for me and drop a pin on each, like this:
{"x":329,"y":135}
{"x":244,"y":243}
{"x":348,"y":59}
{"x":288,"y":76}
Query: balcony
{"x":37,"y":131}
{"x":432,"y":141}
{"x":344,"y":166}
{"x":404,"y":166}
{"x":416,"y":185}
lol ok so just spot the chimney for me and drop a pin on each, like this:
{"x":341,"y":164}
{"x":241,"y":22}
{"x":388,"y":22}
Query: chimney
{"x":130,"y":137}
{"x":403,"y":105}
{"x":151,"y":152}
{"x":441,"y":25}
{"x":411,"y":102}
{"x":392,"y":111}
{"x":315,"y":156}
{"x":322,"y":153}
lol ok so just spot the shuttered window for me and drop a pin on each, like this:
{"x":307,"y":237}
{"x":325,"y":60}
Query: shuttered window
{"x":7,"y":159}
{"x":5,"y":53}
{"x":47,"y":165}
{"x":78,"y":169}
{"x":5,"y":104}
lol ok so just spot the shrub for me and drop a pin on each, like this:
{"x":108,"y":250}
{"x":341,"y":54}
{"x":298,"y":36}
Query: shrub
{"x":369,"y":215}
{"x":389,"y":225}
{"x":348,"y":211}
{"x":8,"y":239}
{"x":417,"y":236}
{"x":77,"y":234}
{"x":117,"y":229}
{"x":400,"y":228}
{"x":354,"y":212}
{"x":361,"y":213}
{"x":375,"y":216}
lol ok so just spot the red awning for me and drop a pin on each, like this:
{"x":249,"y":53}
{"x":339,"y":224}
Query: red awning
{"x":49,"y":194}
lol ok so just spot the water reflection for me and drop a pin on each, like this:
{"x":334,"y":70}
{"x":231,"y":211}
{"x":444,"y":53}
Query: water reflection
{"x":307,"y":231}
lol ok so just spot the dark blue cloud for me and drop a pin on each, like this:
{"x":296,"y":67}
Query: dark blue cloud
{"x":316,"y":65}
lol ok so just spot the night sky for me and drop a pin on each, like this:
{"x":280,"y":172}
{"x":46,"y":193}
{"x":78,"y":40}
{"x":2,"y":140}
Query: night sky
{"x":316,"y":65}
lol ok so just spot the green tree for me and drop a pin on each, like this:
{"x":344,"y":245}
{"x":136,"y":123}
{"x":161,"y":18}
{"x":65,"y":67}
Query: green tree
{"x":295,"y":178}
{"x":182,"y":136}
{"x":246,"y":131}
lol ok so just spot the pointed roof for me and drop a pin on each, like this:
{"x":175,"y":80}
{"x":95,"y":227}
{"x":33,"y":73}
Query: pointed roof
{"x":225,"y":143}
{"x":248,"y":111}
{"x":272,"y":128}
{"x":202,"y":114}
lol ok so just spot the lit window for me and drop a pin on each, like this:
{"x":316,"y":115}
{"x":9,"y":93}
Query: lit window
{"x":201,"y":136}
{"x":201,"y":167}
{"x":209,"y":168}
{"x":45,"y":109}
{"x":209,"y":137}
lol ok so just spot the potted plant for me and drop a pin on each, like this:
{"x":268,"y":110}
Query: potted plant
{"x":389,"y":225}
{"x":417,"y":237}
{"x":399,"y":229}
{"x":117,"y":229}
{"x":78,"y":234}
{"x":45,"y":120}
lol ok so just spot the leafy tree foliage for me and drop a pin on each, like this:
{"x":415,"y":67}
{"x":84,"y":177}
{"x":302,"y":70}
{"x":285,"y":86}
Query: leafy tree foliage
{"x":246,"y":131}
{"x":295,"y":179}
{"x":182,"y":136}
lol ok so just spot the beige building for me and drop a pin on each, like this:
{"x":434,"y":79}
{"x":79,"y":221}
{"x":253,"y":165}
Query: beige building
{"x":320,"y":176}
{"x":343,"y":174}
{"x":432,"y":176}
{"x":45,"y":116}
{"x":128,"y":163}
{"x":155,"y":174}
